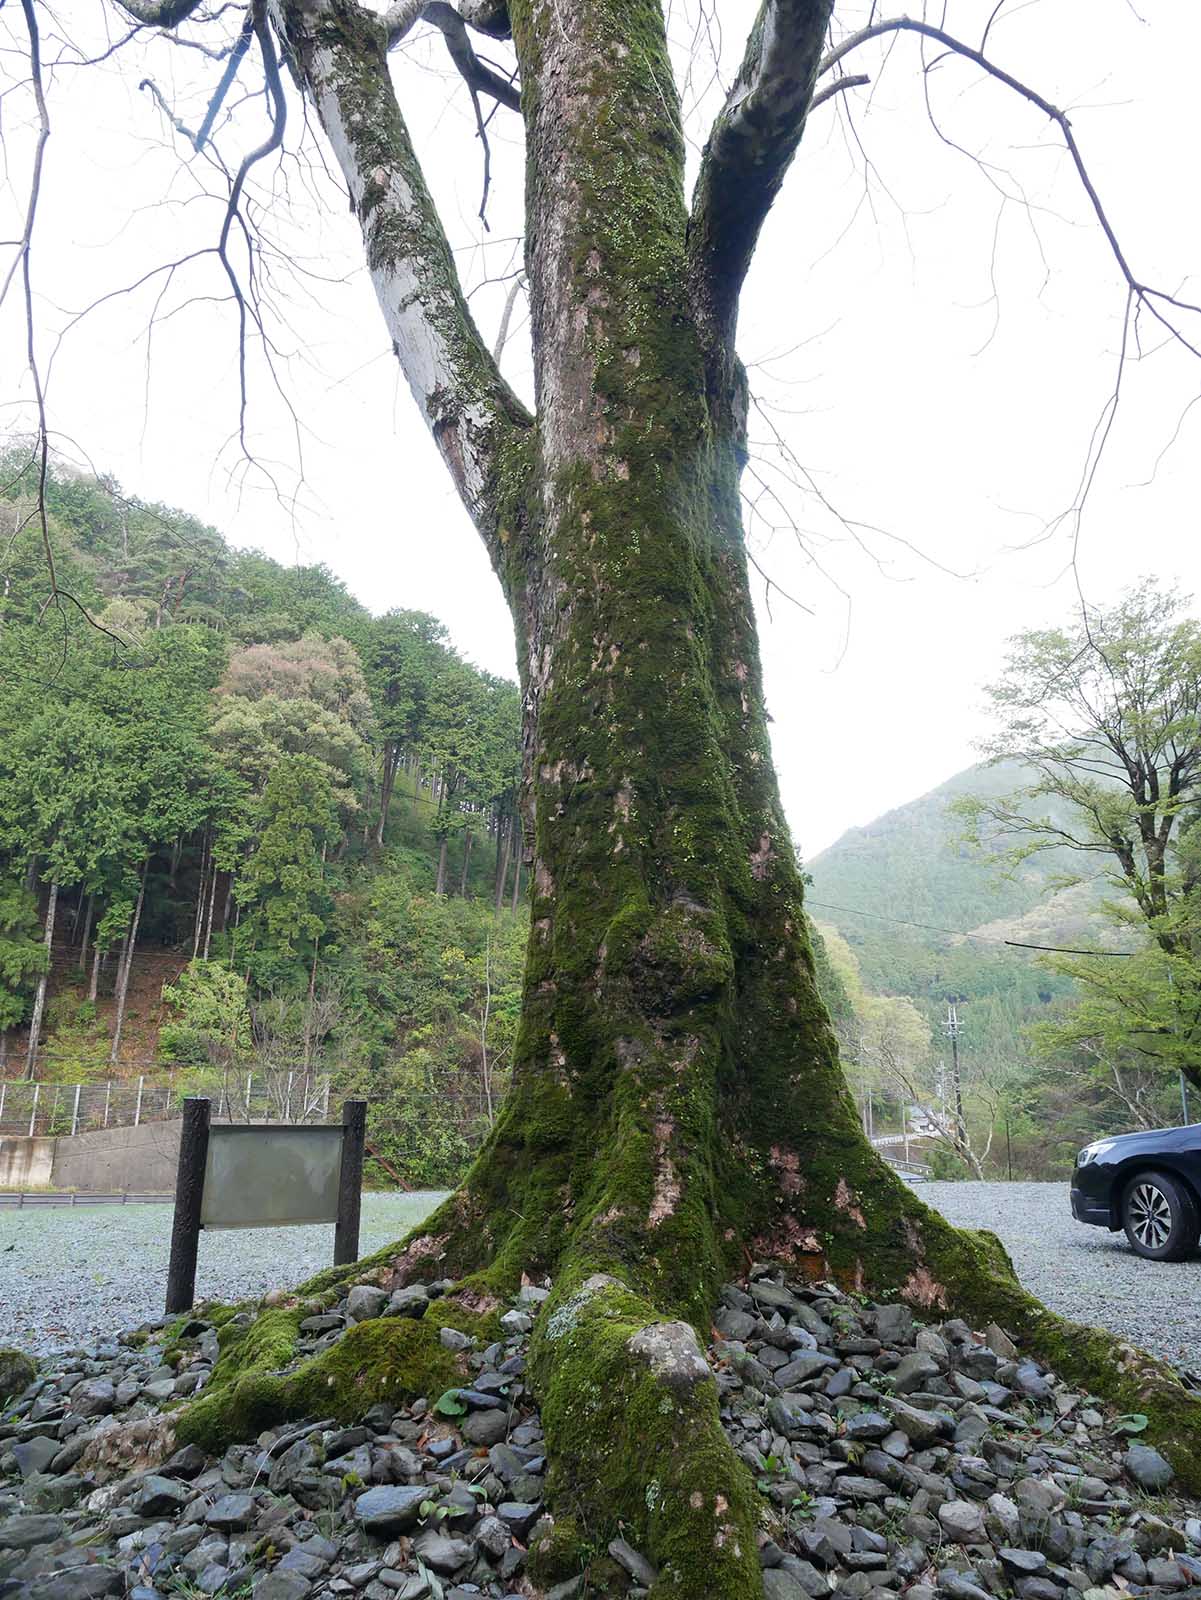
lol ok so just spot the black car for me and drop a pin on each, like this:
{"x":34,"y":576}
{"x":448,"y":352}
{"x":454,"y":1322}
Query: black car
{"x":1147,"y":1183}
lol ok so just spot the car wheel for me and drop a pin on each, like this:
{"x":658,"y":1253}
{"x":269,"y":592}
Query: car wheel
{"x":1160,"y":1217}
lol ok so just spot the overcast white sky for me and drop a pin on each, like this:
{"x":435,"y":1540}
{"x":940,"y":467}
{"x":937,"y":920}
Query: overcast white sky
{"x":936,"y":354}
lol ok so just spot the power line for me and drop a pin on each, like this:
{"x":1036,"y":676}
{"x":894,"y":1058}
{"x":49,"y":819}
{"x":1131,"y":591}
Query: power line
{"x":956,"y":933}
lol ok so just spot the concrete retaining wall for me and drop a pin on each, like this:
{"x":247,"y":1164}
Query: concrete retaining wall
{"x":108,"y":1161}
{"x":26,"y":1163}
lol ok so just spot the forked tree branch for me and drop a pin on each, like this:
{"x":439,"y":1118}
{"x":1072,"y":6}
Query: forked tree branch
{"x":750,"y":148}
{"x":338,"y":54}
{"x":480,"y":79}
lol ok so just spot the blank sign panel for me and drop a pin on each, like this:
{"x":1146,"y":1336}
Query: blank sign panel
{"x":257,"y":1176}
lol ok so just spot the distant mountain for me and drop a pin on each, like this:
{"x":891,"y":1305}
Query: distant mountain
{"x":907,"y":893}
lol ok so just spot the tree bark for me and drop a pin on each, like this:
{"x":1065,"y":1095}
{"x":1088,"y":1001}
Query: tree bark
{"x":94,"y":985}
{"x":87,"y":928}
{"x":387,"y":784}
{"x":39,"y":999}
{"x":516,"y":900}
{"x":125,"y":968}
{"x":208,"y":929}
{"x":502,"y":871}
{"x":204,"y":866}
{"x":467,"y":837}
{"x":440,"y":880}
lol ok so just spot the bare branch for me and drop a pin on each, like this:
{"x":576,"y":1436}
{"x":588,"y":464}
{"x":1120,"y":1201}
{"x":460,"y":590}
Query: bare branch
{"x":853,"y":80}
{"x":1142,"y":293}
{"x":478,"y":77}
{"x":227,"y":78}
{"x":750,"y":148}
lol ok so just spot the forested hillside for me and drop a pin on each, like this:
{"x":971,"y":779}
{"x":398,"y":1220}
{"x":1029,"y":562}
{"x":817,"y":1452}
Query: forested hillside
{"x":891,"y":888}
{"x":245,"y":825}
{"x":916,"y":918}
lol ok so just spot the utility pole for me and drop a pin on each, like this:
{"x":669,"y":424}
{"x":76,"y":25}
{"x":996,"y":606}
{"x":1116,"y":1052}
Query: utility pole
{"x":952,"y":1026}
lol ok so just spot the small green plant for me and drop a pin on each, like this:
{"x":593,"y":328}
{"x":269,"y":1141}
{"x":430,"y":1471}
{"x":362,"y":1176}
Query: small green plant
{"x":1131,"y":1423}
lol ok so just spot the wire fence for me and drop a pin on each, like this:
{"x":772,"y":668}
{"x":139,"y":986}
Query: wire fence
{"x":48,"y":1109}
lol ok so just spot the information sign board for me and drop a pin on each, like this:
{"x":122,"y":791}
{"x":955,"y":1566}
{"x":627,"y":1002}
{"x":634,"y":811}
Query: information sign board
{"x":271,"y":1177}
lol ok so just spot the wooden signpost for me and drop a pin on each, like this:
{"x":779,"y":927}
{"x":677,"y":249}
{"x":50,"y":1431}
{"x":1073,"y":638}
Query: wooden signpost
{"x":263,"y":1175}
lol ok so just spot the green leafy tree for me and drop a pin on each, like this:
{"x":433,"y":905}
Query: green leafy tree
{"x":284,"y":888}
{"x":22,"y":956}
{"x":210,"y":1020}
{"x":1106,"y":717}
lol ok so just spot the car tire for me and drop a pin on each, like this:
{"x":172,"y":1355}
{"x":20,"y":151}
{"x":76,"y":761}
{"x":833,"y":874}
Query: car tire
{"x":1159,"y":1215}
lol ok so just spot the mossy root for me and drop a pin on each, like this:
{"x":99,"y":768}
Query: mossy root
{"x":636,"y":1446}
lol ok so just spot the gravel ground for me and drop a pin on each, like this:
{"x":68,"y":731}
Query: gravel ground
{"x":69,"y":1273}
{"x":1086,"y":1273}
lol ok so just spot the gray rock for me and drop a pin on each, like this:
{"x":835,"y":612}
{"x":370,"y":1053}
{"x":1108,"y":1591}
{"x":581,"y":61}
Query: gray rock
{"x":282,"y":1585}
{"x":231,"y":1513}
{"x":161,"y":1497}
{"x":46,"y":1493}
{"x":999,"y":1342}
{"x":868,"y":1425}
{"x":517,"y":1322}
{"x":923,"y":1427}
{"x":446,"y":1556}
{"x":961,"y":1521}
{"x":781,"y":1585}
{"x":766,"y":1293}
{"x":365,"y":1300}
{"x":958,"y":1586}
{"x":1163,"y":1573}
{"x":932,"y":1343}
{"x":1005,"y":1515}
{"x":485,"y":1427}
{"x":94,"y":1398}
{"x":894,"y":1324}
{"x":734,"y":1324}
{"x":35,"y":1455}
{"x":493,"y":1536}
{"x":410,"y":1302}
{"x":23,"y":1533}
{"x":186,"y":1463}
{"x":1037,"y":1588}
{"x":859,"y":1489}
{"x":303,"y":1563}
{"x":1147,"y":1467}
{"x":519,"y":1515}
{"x":92,"y":1582}
{"x":452,"y":1339}
{"x":792,"y":1415}
{"x":1024,"y":1562}
{"x":804,"y":1365}
{"x":912,"y":1372}
{"x":1029,"y":1380}
{"x":389,"y":1510}
{"x":638,"y":1567}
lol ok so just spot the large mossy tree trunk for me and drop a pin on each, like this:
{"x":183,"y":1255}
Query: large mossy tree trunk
{"x":677,"y":1107}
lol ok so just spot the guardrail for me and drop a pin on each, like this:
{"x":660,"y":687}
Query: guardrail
{"x":36,"y":1199}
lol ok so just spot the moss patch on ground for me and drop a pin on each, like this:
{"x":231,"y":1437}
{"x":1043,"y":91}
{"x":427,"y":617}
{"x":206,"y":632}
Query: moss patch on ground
{"x":259,"y":1382}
